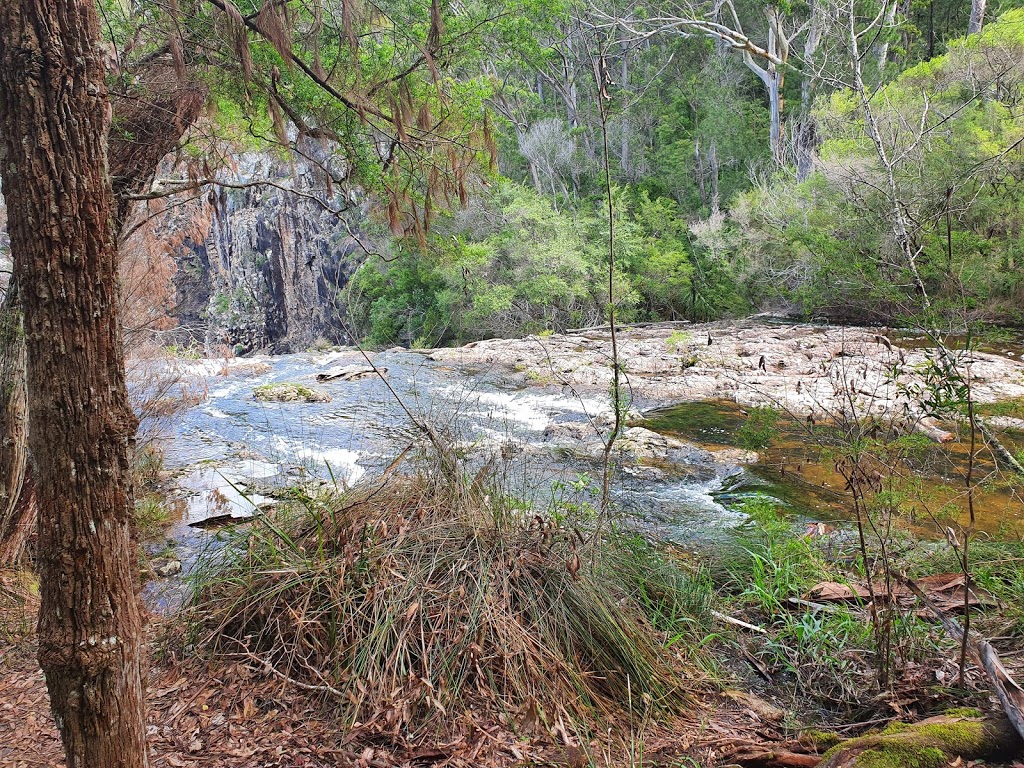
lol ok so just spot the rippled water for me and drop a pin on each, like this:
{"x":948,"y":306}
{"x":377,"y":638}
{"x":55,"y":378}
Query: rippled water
{"x":231,"y":440}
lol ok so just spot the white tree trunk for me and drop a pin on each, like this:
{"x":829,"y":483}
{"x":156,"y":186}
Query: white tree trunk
{"x":977,"y":17}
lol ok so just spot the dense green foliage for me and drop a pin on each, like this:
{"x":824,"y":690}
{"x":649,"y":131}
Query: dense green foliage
{"x":955,"y":125}
{"x":512,"y":263}
{"x":710,"y":220}
{"x":861,"y":162}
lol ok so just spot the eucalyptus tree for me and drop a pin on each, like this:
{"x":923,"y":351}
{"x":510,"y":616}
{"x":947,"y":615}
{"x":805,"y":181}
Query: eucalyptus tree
{"x":54,"y":115}
{"x":766,"y":52}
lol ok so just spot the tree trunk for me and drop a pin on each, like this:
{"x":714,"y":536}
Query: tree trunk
{"x":977,"y":17}
{"x":805,"y":138}
{"x":54,"y":116}
{"x":14,"y":527}
{"x":153,"y":116}
{"x":713,"y":163}
{"x":624,"y":118}
{"x":882,"y":48}
{"x":701,"y":180}
{"x":772,"y":83}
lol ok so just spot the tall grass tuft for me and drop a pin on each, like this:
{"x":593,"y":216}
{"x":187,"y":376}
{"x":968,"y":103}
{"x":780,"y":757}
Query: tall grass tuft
{"x":413,"y":601}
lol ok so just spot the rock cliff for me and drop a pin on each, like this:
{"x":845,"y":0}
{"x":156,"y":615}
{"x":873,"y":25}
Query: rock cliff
{"x":269,"y":269}
{"x":254,"y":266}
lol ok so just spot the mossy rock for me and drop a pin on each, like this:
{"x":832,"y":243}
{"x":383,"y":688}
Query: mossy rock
{"x":931,"y":743}
{"x":288,"y":392}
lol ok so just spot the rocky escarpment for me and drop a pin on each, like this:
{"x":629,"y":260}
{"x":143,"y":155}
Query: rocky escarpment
{"x":256,"y":266}
{"x":267,"y":268}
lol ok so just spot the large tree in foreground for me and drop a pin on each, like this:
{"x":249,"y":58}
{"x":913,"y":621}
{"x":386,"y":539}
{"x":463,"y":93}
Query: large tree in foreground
{"x":54,"y":116}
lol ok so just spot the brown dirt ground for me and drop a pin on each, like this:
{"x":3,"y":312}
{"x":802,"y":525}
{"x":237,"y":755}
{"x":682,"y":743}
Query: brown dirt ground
{"x":235,"y":716}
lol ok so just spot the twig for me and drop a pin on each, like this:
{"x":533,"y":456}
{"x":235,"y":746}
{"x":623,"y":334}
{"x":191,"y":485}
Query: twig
{"x":738,"y":622}
{"x":812,"y":605}
{"x":268,"y":667}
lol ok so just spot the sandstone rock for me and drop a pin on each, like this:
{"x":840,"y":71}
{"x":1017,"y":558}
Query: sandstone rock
{"x":166,"y":568}
{"x":808,"y":365}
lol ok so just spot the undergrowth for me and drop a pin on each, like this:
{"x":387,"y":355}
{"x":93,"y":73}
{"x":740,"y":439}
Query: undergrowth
{"x":825,"y":652}
{"x":416,"y":601}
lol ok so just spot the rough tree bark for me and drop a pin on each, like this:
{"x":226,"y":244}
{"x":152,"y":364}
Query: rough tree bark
{"x":153,"y":114}
{"x":54,"y":117}
{"x":977,"y":17}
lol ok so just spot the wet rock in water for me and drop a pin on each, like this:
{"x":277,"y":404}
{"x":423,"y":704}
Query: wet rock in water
{"x":287,"y":392}
{"x":248,"y":367}
{"x":165,"y":568}
{"x":734,"y":455}
{"x":641,"y":443}
{"x":350,"y":373}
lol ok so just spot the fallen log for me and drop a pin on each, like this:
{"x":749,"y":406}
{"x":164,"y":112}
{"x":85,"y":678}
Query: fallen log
{"x":933,"y":743}
{"x":1006,"y":459}
{"x":927,"y":427}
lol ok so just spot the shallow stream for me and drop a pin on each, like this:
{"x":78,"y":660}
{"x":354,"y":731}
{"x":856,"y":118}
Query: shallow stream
{"x":228,"y":452}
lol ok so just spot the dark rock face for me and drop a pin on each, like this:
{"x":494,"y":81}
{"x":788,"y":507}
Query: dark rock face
{"x":271,"y":271}
{"x":255,"y":267}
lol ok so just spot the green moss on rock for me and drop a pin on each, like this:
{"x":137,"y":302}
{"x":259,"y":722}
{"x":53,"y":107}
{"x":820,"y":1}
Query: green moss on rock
{"x":289,"y":392}
{"x":813,"y":737}
{"x":931,"y":743}
{"x":897,"y":755}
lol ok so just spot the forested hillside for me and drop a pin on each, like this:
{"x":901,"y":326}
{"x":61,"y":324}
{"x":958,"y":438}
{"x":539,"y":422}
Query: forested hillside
{"x":823,"y":159}
{"x":751,"y":163}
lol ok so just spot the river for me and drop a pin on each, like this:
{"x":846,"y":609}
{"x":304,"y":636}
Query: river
{"x":540,"y":438}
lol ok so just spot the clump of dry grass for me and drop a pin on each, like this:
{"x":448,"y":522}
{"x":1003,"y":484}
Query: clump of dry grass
{"x":19,"y":604}
{"x":416,"y":600}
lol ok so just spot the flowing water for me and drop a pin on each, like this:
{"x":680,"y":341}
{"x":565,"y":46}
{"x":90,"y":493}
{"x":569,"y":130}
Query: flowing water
{"x":226,"y":450}
{"x":229,"y":451}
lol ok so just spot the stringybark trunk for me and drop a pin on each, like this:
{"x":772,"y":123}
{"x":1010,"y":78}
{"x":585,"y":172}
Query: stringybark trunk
{"x":152,"y":116}
{"x":54,"y":116}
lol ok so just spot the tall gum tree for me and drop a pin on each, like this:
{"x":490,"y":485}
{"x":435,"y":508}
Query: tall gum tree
{"x":54,"y":118}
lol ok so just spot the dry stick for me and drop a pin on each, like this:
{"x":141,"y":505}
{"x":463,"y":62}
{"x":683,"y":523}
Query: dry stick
{"x":738,"y":622}
{"x":964,"y":555}
{"x":1001,"y":453}
{"x":1010,"y":695}
{"x":600,"y":72}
